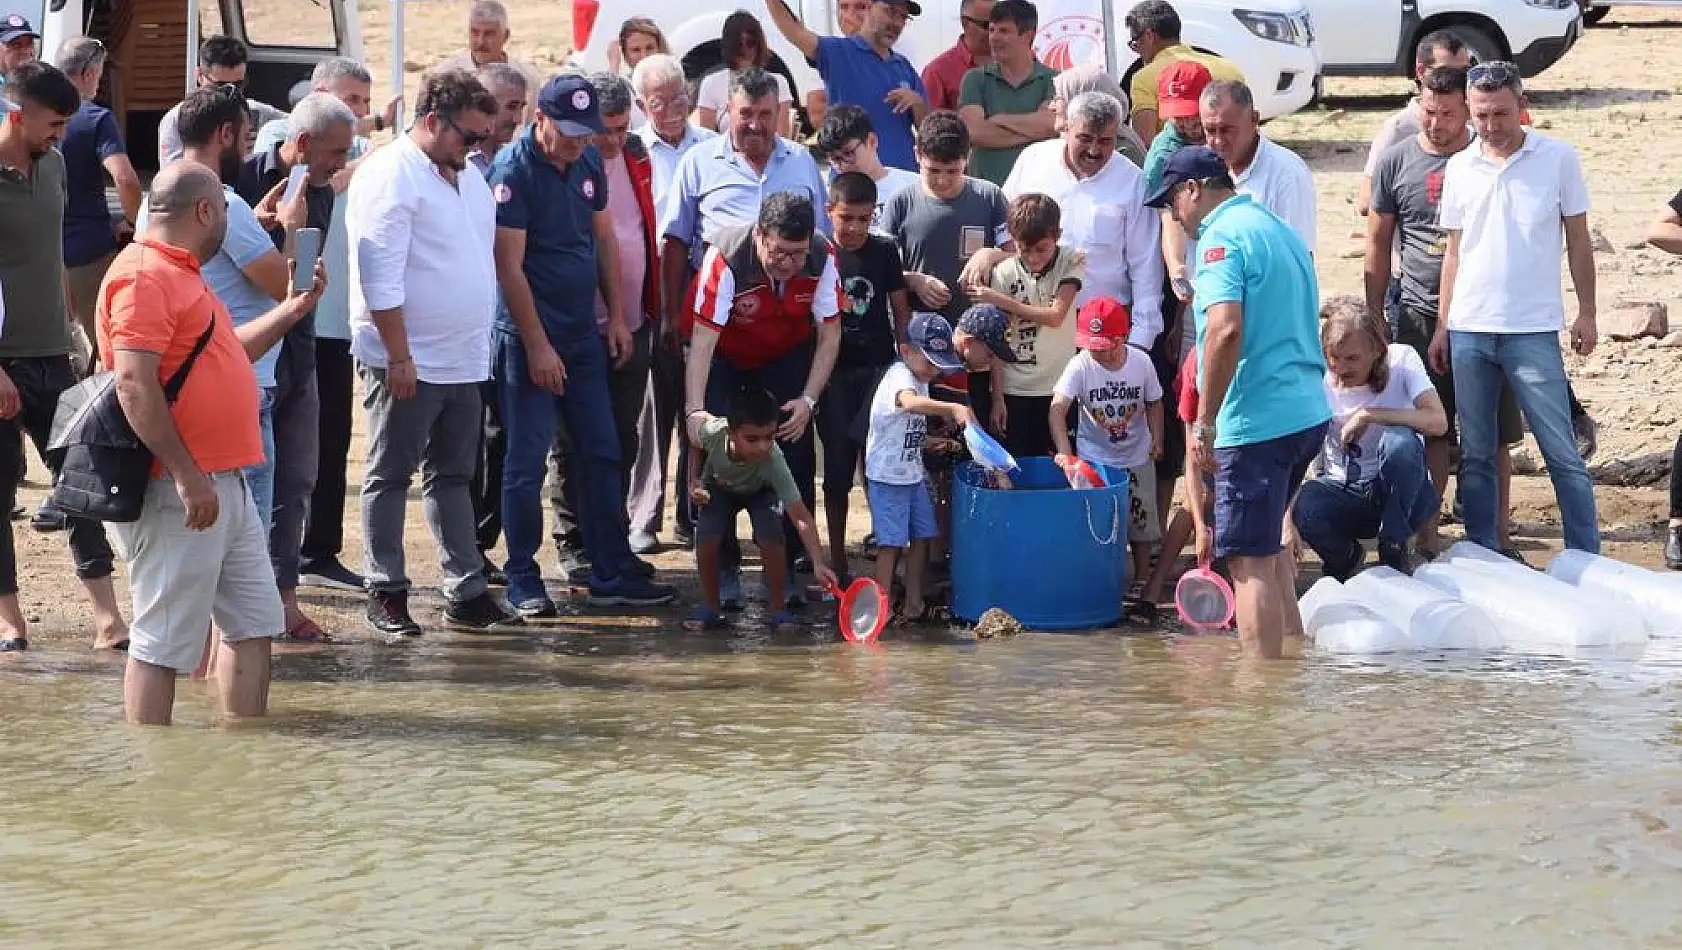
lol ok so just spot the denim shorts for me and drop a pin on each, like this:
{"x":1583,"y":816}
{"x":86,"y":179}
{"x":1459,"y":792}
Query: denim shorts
{"x":718,"y":518}
{"x":900,"y":514}
{"x":1253,"y":487}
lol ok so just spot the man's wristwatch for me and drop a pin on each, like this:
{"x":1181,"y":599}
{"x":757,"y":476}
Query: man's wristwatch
{"x":811,"y":404}
{"x":379,"y":123}
{"x":1203,"y":431}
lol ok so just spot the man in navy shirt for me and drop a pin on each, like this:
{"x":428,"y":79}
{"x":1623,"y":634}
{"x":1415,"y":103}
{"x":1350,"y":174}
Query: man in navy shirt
{"x":864,"y":70}
{"x":92,"y":148}
{"x":553,"y":237}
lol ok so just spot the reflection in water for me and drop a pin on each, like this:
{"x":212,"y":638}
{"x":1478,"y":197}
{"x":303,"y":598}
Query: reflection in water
{"x":1048,"y":791}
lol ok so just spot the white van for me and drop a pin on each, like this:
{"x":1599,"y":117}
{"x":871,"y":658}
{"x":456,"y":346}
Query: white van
{"x":1272,"y":41}
{"x":153,"y":44}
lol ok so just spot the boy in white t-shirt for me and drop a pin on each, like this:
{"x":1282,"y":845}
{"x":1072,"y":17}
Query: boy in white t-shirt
{"x":849,"y":141}
{"x":1373,"y":480}
{"x":895,"y":483}
{"x":1120,"y":400}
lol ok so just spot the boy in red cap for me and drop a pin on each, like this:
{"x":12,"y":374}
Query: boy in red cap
{"x":1120,"y":401}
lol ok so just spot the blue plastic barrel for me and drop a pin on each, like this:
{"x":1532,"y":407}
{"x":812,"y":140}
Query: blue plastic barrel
{"x":1052,"y":557}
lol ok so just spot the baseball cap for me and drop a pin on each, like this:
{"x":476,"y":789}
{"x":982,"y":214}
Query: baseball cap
{"x":571,"y":102}
{"x":987,"y":323}
{"x":1178,"y":89}
{"x":1103,"y":324}
{"x":932,"y":336}
{"x":911,"y":6}
{"x":1189,"y":163}
{"x":14,"y":27}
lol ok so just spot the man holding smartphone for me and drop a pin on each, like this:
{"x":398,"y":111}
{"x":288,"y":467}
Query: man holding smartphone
{"x":319,"y":137}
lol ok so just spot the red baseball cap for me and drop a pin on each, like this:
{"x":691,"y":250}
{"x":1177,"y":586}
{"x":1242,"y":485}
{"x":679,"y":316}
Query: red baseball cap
{"x":1103,"y":324}
{"x":1178,"y":89}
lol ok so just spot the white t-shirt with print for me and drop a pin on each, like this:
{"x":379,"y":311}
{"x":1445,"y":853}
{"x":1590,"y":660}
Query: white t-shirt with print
{"x":1408,"y":381}
{"x":1114,"y":429}
{"x":893,"y":453}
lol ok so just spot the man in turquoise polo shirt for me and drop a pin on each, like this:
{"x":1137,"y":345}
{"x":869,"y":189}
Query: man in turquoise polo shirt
{"x":1007,"y":103}
{"x":1263,"y":411}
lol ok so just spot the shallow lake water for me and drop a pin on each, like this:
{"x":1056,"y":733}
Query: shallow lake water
{"x":1046,"y":791}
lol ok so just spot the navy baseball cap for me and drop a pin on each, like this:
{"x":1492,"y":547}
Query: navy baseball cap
{"x":14,"y":27}
{"x":987,"y":323}
{"x":571,"y":102}
{"x":911,"y":6}
{"x":1190,"y":163}
{"x":932,"y":336}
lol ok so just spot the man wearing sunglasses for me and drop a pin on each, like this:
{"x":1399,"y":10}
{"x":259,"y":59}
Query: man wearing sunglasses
{"x":222,"y":62}
{"x":944,"y":74}
{"x":1509,"y":203}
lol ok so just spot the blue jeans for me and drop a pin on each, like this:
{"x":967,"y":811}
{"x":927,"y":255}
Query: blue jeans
{"x":260,"y":477}
{"x":529,"y":416}
{"x":1390,"y":499}
{"x":1532,"y":365}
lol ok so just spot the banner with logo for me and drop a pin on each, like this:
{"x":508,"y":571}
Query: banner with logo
{"x":1071,"y":33}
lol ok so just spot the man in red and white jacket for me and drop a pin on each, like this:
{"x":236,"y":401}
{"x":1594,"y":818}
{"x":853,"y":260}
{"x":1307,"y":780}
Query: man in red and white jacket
{"x":630,"y":205}
{"x":765,"y":307}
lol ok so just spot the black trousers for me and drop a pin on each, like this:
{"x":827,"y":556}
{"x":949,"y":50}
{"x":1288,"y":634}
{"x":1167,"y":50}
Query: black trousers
{"x":335,"y":380}
{"x":40,"y":380}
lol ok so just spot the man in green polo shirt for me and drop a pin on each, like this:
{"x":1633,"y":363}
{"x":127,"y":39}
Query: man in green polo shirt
{"x":1007,"y":103}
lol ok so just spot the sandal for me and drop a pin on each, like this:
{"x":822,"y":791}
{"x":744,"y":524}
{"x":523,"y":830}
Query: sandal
{"x":1140,"y":611}
{"x":14,"y":645}
{"x":706,"y":620}
{"x":305,"y":631}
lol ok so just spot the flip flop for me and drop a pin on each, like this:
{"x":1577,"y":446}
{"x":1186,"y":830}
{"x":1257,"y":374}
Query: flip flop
{"x":121,"y":646}
{"x":706,"y":620}
{"x":14,"y":645}
{"x":305,"y":631}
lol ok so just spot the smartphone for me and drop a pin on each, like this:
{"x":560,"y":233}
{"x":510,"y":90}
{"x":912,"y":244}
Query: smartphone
{"x":306,"y":250}
{"x":294,"y":181}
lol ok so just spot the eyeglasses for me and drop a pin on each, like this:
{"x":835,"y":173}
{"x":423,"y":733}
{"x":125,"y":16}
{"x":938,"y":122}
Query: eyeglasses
{"x":783,"y":255}
{"x":1493,"y":75}
{"x":845,"y":156}
{"x":469,"y":139}
{"x":658,"y":104}
{"x":976,"y":22}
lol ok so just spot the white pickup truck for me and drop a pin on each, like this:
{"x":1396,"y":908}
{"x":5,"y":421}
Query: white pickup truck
{"x":1379,"y":37}
{"x":1270,"y":40}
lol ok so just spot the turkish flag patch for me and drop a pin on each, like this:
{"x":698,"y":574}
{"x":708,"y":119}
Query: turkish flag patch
{"x":1214,"y":255}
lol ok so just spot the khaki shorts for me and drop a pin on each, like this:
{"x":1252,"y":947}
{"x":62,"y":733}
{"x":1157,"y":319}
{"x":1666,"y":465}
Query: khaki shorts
{"x":1144,"y":525}
{"x":180,"y":580}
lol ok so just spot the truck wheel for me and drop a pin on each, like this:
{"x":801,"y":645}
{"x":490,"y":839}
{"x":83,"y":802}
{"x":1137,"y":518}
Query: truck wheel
{"x":1594,"y":15}
{"x":1483,"y":47}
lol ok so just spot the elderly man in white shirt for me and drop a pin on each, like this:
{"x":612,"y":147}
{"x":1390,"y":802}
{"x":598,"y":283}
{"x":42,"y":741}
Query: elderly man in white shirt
{"x":1276,"y":177}
{"x":1102,"y":197}
{"x":421,"y":224}
{"x":1513,"y":203}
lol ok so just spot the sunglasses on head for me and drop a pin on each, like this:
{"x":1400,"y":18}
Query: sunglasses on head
{"x":1495,"y":74}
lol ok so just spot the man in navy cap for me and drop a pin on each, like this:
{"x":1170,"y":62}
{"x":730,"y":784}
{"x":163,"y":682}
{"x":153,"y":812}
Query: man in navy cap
{"x":554,"y":245}
{"x":17,"y":42}
{"x":1263,"y":412}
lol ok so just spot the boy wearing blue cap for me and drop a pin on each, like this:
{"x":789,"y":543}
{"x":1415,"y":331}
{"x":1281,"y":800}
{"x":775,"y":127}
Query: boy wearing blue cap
{"x":896,"y":484}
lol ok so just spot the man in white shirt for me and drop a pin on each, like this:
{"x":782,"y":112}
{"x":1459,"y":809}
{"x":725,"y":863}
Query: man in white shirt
{"x":1276,"y":177}
{"x":1507,"y":202}
{"x":1102,"y":196}
{"x":421,"y":224}
{"x":487,"y":42}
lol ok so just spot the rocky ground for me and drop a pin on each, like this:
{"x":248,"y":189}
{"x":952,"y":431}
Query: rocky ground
{"x":1613,"y":97}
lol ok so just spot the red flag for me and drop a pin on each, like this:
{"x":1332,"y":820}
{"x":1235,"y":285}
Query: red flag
{"x":1214,"y":255}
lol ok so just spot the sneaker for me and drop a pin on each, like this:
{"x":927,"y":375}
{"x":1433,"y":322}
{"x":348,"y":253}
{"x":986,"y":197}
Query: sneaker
{"x":575,"y":564}
{"x":48,"y":519}
{"x":1673,"y":547}
{"x":643,"y":542}
{"x":630,"y":590}
{"x":388,"y":612}
{"x":329,"y":573}
{"x":536,"y":608}
{"x":1587,"y":432}
{"x":1394,"y":555}
{"x":641,"y":566}
{"x":495,"y":576}
{"x":482,"y":612}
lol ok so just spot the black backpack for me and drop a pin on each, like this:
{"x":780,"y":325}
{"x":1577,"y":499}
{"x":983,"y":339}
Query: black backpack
{"x":103,"y":467}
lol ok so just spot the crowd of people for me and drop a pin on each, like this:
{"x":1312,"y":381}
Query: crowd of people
{"x":589,"y":282}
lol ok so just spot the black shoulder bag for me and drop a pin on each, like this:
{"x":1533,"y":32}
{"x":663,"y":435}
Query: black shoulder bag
{"x":102,"y":466}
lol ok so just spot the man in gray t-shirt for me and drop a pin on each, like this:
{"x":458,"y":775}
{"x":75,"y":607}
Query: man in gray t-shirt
{"x":1407,"y":186}
{"x":938,"y":235}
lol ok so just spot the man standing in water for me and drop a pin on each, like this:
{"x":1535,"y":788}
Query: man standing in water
{"x":1263,"y":411}
{"x":199,"y":551}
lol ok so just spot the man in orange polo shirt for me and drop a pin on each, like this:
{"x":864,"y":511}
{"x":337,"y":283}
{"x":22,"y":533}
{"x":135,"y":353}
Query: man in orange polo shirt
{"x":199,"y":551}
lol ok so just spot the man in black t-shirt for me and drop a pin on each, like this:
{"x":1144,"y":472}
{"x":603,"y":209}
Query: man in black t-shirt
{"x":875,"y":309}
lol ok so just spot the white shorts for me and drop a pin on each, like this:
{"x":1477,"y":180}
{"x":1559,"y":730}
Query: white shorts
{"x":180,"y":580}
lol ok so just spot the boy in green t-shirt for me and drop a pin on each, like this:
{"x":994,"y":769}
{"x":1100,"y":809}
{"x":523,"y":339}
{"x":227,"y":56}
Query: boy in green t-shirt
{"x":737,"y":467}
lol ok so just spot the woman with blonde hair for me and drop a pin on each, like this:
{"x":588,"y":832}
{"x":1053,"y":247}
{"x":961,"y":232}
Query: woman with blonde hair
{"x":639,"y":38}
{"x":1373,"y":481}
{"x":742,"y":45}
